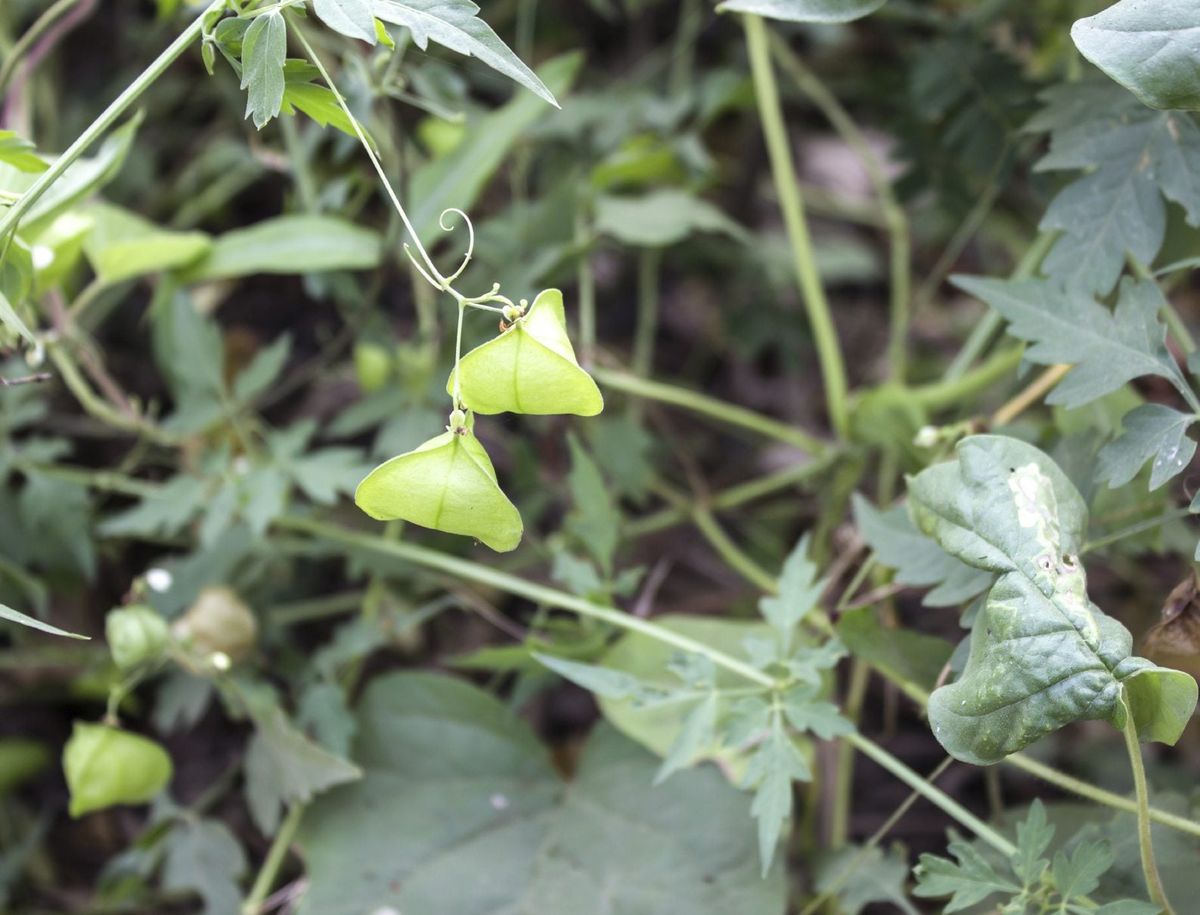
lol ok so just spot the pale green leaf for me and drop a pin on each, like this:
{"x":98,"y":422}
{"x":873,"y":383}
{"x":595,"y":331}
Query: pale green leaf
{"x":1041,"y":654}
{"x":603,"y":681}
{"x":861,"y":876}
{"x":1149,"y":48}
{"x":203,"y":856}
{"x":917,"y":559}
{"x":264,"y":49}
{"x":1107,"y":348}
{"x":283,"y":766}
{"x":122,"y":245}
{"x":1034,"y":835}
{"x":661,"y":218}
{"x":594,"y":521}
{"x":16,"y":616}
{"x":447,"y":484}
{"x":657,"y":726}
{"x":1131,"y":157}
{"x":289,"y":244}
{"x":804,"y":10}
{"x":20,"y":153}
{"x":772,"y":769}
{"x":799,"y":592}
{"x":1150,"y":432}
{"x":353,"y":18}
{"x":9,"y":317}
{"x":461,"y":812}
{"x":454,"y":24}
{"x":695,"y":737}
{"x":968,"y":882}
{"x":263,"y":369}
{"x":318,"y":103}
{"x":529,"y":368}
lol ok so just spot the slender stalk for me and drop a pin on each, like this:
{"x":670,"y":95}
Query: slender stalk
{"x":1145,"y":840}
{"x":1139,"y":527}
{"x":829,"y":352}
{"x":1082,"y":789}
{"x":734,"y":496}
{"x":951,"y":392}
{"x":711,"y":407}
{"x":730,"y":552}
{"x":108,"y":117}
{"x":1037,"y":389}
{"x":934,"y":795}
{"x":485,"y":575}
{"x":642,"y":360}
{"x":839,"y":828}
{"x":587,"y":289}
{"x":265,"y":880}
{"x":40,"y":26}
{"x":900,"y":266}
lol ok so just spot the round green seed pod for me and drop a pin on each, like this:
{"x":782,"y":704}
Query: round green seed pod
{"x":218,"y":623}
{"x":372,"y":365}
{"x":136,"y":635}
{"x":106,"y":766}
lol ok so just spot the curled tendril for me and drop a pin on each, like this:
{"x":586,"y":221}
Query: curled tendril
{"x":470,"y":238}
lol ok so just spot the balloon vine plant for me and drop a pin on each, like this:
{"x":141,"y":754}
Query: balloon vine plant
{"x":448,"y":483}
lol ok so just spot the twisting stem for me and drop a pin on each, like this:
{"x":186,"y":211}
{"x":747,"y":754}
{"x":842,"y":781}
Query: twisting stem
{"x":1145,"y":840}
{"x":829,"y":353}
{"x":107,"y":118}
{"x":434,"y":277}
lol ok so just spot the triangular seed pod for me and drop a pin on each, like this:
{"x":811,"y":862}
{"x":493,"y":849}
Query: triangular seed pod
{"x":448,"y":484}
{"x":530,"y":368}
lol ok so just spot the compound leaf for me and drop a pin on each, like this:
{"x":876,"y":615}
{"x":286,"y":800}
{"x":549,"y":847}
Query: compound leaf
{"x":530,"y":368}
{"x":352,"y":18}
{"x":264,"y":49}
{"x":1149,"y":48}
{"x":455,"y":24}
{"x":447,"y":484}
{"x":1041,"y":654}
{"x":1150,"y":432}
{"x":1107,"y":348}
{"x":1132,"y":157}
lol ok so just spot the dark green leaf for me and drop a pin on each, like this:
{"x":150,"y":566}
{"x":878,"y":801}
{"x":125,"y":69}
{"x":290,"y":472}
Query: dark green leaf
{"x":1150,"y":432}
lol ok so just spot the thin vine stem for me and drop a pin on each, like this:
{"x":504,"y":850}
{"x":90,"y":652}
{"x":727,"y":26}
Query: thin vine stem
{"x":276,"y":854}
{"x":894,"y":219}
{"x":1145,"y":839}
{"x":710,"y":406}
{"x":829,"y":352}
{"x":12,"y":216}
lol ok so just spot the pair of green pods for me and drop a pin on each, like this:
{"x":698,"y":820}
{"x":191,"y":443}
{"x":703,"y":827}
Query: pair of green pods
{"x":449,"y":483}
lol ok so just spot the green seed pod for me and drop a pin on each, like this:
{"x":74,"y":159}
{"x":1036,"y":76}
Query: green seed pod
{"x":219,"y":622}
{"x":136,"y":635}
{"x":107,"y":766}
{"x":372,"y":366}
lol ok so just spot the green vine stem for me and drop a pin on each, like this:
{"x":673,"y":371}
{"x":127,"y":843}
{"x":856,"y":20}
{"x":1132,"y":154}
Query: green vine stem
{"x":894,"y":219}
{"x":711,"y":407}
{"x":1145,"y":840}
{"x":269,"y":871}
{"x":829,"y":353}
{"x":642,"y":360}
{"x":107,"y":118}
{"x":462,"y":569}
{"x":586,"y":280}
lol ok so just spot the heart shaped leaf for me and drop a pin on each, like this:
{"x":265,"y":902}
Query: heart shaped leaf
{"x":530,"y":368}
{"x":1042,"y":655}
{"x":447,"y":484}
